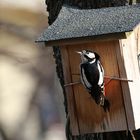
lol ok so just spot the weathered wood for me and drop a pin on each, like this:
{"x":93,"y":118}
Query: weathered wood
{"x":125,"y":88}
{"x":69,"y":91}
{"x":91,"y":117}
{"x":129,"y":52}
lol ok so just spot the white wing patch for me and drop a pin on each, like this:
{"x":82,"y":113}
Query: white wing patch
{"x":84,"y":79}
{"x":101,"y":73}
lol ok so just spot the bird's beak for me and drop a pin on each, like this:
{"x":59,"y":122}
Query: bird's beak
{"x":79,"y":52}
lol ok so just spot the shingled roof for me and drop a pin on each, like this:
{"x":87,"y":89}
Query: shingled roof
{"x":75,"y":23}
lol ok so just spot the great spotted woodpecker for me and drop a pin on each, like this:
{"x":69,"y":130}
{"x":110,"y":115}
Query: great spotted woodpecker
{"x":92,"y":77}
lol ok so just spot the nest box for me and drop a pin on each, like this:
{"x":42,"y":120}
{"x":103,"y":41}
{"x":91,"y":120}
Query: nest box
{"x":114,"y":33}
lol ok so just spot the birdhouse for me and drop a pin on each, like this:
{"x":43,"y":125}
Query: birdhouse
{"x":113,"y":33}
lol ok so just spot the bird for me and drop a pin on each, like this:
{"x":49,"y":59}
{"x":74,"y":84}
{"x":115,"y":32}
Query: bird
{"x":92,"y":77}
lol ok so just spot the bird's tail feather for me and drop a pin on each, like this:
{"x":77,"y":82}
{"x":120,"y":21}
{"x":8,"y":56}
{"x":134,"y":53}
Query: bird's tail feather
{"x":106,"y":105}
{"x":100,"y":98}
{"x":104,"y":102}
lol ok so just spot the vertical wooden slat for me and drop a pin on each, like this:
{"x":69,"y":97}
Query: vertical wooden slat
{"x":125,"y":87}
{"x":69,"y":92}
{"x":129,"y":52}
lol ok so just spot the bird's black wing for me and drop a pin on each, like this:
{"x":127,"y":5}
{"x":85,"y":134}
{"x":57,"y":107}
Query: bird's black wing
{"x":89,"y":75}
{"x":84,"y":79}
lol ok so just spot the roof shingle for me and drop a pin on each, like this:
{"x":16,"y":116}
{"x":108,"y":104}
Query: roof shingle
{"x":75,"y":23}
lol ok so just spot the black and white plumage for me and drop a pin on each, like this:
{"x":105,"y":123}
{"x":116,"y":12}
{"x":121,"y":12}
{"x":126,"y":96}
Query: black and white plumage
{"x":92,"y":77}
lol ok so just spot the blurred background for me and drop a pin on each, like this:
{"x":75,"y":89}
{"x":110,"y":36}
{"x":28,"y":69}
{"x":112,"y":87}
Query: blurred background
{"x":31,"y":100}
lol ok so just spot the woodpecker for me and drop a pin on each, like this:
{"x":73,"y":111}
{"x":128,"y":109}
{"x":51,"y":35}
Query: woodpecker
{"x":92,"y":77}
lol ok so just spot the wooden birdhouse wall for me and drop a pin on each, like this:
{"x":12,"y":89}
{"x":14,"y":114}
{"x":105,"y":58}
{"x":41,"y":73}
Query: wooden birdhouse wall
{"x":119,"y":59}
{"x":86,"y":116}
{"x":130,"y":48}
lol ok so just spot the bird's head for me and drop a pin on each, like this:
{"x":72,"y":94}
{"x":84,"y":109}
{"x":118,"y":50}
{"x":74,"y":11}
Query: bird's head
{"x":88,"y":56}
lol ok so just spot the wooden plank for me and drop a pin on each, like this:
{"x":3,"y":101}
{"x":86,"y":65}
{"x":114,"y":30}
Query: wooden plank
{"x":69,"y":92}
{"x":125,"y":87}
{"x":91,"y":117}
{"x":129,"y":51}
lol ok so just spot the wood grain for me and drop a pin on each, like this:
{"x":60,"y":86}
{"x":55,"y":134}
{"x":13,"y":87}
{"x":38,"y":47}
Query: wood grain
{"x":69,"y":91}
{"x":91,"y":117}
{"x":129,"y":50}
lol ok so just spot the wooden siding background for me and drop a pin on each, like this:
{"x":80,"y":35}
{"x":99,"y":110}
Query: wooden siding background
{"x":129,"y":50}
{"x":85,"y":115}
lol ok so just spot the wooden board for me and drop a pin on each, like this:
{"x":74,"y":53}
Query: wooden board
{"x":129,"y":50}
{"x":69,"y":91}
{"x":90,"y":117}
{"x":125,"y":86}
